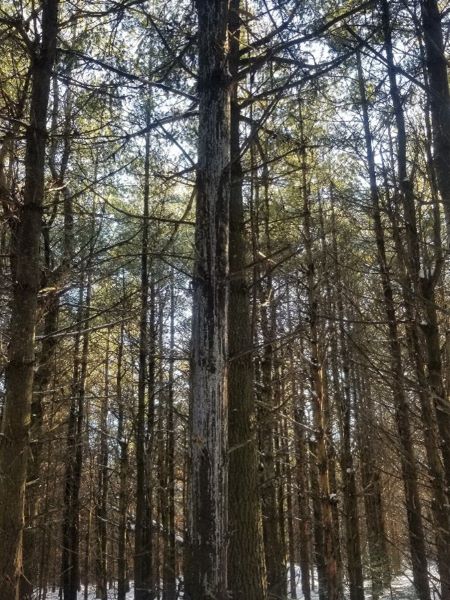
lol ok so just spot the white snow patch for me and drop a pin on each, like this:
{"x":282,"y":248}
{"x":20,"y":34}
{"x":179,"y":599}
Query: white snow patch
{"x":401,"y":588}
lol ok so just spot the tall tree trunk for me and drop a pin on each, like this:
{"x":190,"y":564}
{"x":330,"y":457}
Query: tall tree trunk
{"x":439,"y":96}
{"x":372,"y":486}
{"x":317,"y":522}
{"x":407,"y":455}
{"x":101,"y":512}
{"x":274,"y":549}
{"x":162,"y":516}
{"x":319,"y":400}
{"x":423,"y":285}
{"x":426,"y":389}
{"x":246,"y":571}
{"x":206,"y":558}
{"x":150,"y":437}
{"x":304,"y":515}
{"x":87,"y":548}
{"x":344,"y":402}
{"x":34,"y":484}
{"x":142,"y":538}
{"x":70,"y":559}
{"x":301,"y":464}
{"x":328,"y":407}
{"x":45,"y":541}
{"x":122,"y":575}
{"x":419,"y":293}
{"x":290,"y":517}
{"x":50,"y":307}
{"x":273,"y":544}
{"x":169,"y":556}
{"x":14,"y":444}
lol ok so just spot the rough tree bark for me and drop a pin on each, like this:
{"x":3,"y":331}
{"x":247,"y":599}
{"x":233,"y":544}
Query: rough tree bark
{"x":49,"y":306}
{"x":25,"y":252}
{"x":246,"y":572}
{"x":206,"y":557}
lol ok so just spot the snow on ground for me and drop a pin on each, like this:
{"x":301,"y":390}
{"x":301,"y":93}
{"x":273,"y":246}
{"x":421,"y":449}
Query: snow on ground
{"x":401,"y":589}
{"x":112,"y":594}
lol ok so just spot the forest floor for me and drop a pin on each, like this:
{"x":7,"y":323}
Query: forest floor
{"x":401,"y":589}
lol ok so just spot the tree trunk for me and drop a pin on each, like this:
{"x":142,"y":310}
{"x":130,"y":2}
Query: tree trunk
{"x":407,"y":455}
{"x":419,"y":295}
{"x":14,"y":446}
{"x":70,"y":559}
{"x":290,"y":518}
{"x":274,"y":549}
{"x":423,"y":285}
{"x":301,"y":466}
{"x":122,"y":575}
{"x":169,"y":560}
{"x":439,"y":96}
{"x":142,"y":538}
{"x":317,"y":522}
{"x":427,"y":390}
{"x":246,"y":572}
{"x":343,"y":393}
{"x":206,"y":558}
{"x":50,"y":307}
{"x":101,"y":512}
{"x":304,"y":515}
{"x":371,"y":481}
{"x":319,"y":401}
{"x":34,"y":484}
{"x":435,"y":372}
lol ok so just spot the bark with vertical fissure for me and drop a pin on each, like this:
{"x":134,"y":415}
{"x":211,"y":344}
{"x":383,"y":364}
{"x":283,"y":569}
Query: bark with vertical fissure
{"x":246,"y":571}
{"x":206,"y":558}
{"x":25,"y":253}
